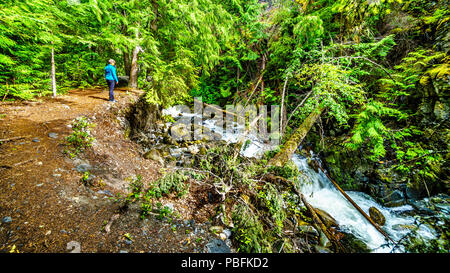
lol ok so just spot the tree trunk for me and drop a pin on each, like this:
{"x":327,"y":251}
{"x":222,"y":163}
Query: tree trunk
{"x":283,"y":116}
{"x":53,"y":72}
{"x":285,"y":154}
{"x":126,"y":63}
{"x":134,"y":68}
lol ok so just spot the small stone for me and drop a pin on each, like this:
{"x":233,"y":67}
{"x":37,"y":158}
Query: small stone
{"x":170,"y":206}
{"x":223,"y":236}
{"x":227,"y":233}
{"x":35,"y":139}
{"x":53,"y":135}
{"x":123,"y":251}
{"x":6,"y":220}
{"x":216,"y":229}
{"x":48,"y":233}
{"x":39,"y":185}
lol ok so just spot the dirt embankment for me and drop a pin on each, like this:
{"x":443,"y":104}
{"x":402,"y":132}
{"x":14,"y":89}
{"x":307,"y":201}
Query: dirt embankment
{"x":45,"y":208}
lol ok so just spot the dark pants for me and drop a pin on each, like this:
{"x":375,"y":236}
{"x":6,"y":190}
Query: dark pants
{"x":111,"y":85}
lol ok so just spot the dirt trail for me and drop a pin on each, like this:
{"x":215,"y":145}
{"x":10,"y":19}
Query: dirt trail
{"x":45,"y":208}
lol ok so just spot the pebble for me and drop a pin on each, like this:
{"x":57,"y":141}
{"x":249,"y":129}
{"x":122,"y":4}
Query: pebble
{"x":35,"y":139}
{"x":227,"y":233}
{"x":6,"y":220}
{"x":39,"y":185}
{"x":53,"y":135}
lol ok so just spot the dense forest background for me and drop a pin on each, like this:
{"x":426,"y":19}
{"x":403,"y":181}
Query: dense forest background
{"x":378,"y":71}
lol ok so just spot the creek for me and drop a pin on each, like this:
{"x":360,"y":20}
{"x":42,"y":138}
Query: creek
{"x":321,"y":193}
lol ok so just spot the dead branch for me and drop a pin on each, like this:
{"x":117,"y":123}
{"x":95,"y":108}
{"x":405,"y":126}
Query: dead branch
{"x":12,"y":138}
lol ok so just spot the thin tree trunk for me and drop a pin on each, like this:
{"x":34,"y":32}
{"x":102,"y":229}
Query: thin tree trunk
{"x":126,"y":63}
{"x":53,"y":72}
{"x":285,"y":154}
{"x":282,"y":107}
{"x":134,"y":68}
{"x":263,"y":67}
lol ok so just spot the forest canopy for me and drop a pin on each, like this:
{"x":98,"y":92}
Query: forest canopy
{"x":374,"y":67}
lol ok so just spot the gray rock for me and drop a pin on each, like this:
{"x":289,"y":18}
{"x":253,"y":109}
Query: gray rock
{"x":82,"y":168}
{"x":53,"y":135}
{"x":217,"y":246}
{"x":105,"y":192}
{"x":35,"y":139}
{"x":6,"y":220}
{"x":308,"y":229}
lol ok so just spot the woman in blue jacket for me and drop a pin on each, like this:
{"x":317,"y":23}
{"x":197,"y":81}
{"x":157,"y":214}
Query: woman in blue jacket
{"x":111,"y":78}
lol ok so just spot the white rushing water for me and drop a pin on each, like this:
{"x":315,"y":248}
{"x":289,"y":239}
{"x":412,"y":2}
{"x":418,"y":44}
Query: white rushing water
{"x":320,"y":193}
{"x":253,"y":146}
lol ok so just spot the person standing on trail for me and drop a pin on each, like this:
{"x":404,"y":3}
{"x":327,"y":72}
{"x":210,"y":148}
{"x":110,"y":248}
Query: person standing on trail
{"x":111,"y":78}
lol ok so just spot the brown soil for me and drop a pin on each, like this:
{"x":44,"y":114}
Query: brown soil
{"x":40,"y":187}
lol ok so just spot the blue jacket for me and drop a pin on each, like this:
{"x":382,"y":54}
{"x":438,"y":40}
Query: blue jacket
{"x":110,"y":73}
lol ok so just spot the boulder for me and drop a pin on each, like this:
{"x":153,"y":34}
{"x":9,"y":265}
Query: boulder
{"x":354,"y":245}
{"x":180,"y":132}
{"x":154,"y":155}
{"x":217,"y":246}
{"x":123,"y":81}
{"x":377,"y":216}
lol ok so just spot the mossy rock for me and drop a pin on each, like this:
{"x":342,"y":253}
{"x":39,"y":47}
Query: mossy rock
{"x":353,"y":244}
{"x":377,"y":216}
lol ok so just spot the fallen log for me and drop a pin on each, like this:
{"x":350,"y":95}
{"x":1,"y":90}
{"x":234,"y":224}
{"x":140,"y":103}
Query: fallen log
{"x":320,"y":225}
{"x":12,"y":138}
{"x":285,"y":154}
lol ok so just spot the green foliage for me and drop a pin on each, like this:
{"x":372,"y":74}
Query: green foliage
{"x":249,"y":232}
{"x":274,"y":202}
{"x":80,"y":139}
{"x":370,"y":130}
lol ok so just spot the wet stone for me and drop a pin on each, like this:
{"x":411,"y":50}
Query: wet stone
{"x":6,"y":220}
{"x":53,"y":135}
{"x":217,"y":246}
{"x":82,"y":168}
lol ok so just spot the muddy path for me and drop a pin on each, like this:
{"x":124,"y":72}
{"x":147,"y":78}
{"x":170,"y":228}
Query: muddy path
{"x":45,"y":208}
